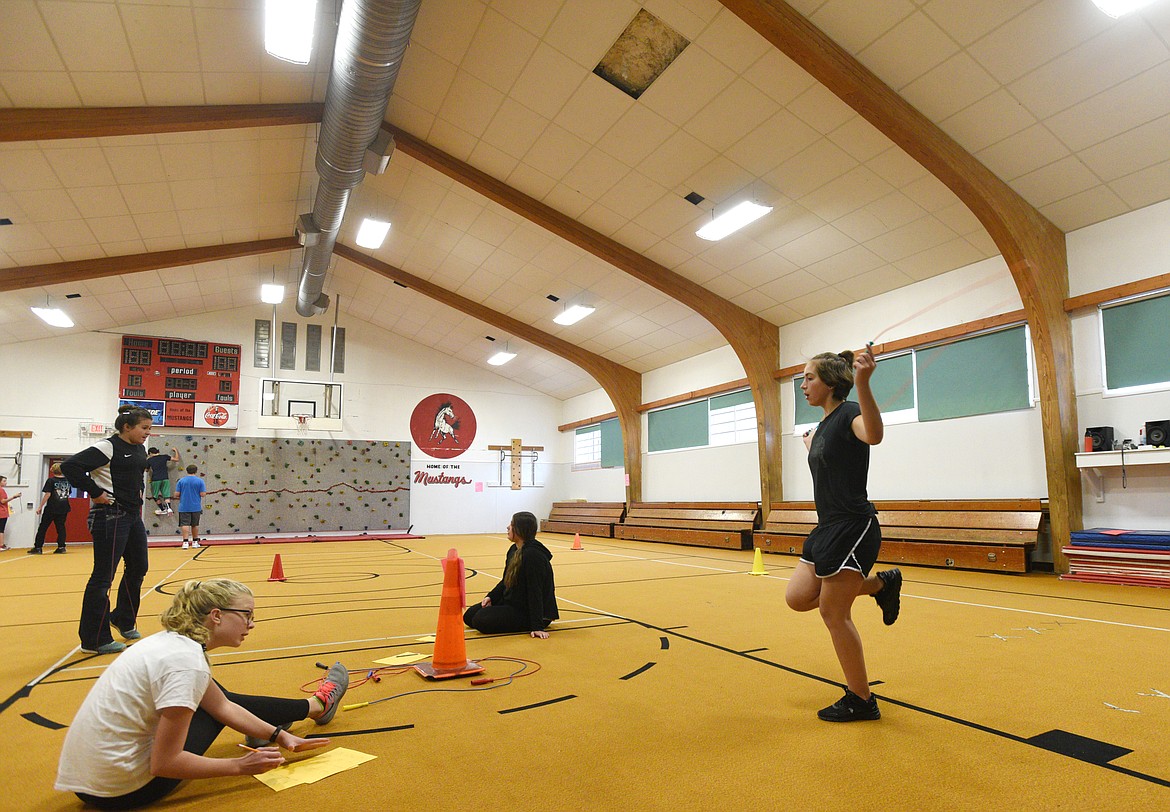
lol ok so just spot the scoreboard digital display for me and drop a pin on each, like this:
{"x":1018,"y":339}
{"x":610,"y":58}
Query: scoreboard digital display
{"x":183,"y":383}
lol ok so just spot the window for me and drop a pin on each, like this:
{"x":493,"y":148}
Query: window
{"x":731,"y":418}
{"x":1134,"y":336}
{"x":587,"y":447}
{"x":598,"y":446}
{"x":980,"y":374}
{"x":720,"y":420}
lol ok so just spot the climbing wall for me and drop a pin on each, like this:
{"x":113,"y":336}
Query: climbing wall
{"x":258,"y":485}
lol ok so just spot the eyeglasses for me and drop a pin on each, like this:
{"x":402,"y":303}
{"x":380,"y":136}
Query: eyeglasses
{"x":249,"y":614}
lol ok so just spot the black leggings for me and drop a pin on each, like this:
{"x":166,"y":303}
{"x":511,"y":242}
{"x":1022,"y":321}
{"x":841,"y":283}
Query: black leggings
{"x":496,"y":619}
{"x":203,"y":731}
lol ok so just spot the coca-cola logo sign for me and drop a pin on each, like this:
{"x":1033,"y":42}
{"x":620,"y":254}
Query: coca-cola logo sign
{"x":442,"y":426}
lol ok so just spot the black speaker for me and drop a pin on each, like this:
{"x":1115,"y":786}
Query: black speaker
{"x":1102,"y":437}
{"x":1158,"y":432}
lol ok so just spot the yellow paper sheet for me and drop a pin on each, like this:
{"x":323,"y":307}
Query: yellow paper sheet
{"x":430,"y":638}
{"x":311,"y":770}
{"x":405,"y":658}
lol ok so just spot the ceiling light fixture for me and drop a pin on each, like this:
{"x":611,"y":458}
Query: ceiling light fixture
{"x":1119,"y":8}
{"x":502,"y":357}
{"x":732,"y":220}
{"x":288,"y":29}
{"x":271,"y":293}
{"x":53,"y":316}
{"x":372,"y":233}
{"x":573,"y":314}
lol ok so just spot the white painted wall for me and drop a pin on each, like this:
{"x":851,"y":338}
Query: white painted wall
{"x":1124,"y":249}
{"x":74,"y":379}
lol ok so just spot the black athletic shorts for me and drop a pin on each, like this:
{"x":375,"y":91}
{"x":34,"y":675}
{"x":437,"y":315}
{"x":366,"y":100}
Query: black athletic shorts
{"x":849,"y":544}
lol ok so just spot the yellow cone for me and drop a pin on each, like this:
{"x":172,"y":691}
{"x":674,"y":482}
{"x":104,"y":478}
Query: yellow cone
{"x":758,"y":563}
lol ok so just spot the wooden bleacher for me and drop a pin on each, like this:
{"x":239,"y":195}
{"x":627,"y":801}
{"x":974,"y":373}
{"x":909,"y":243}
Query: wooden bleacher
{"x":988,"y":534}
{"x":705,"y":524}
{"x":586,"y":518}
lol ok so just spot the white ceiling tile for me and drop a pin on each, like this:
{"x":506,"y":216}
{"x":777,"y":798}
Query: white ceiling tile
{"x":929,"y":193}
{"x":942,"y":258}
{"x":855,"y":26}
{"x":913,"y":238}
{"x":896,"y":167}
{"x":737,"y":111}
{"x":447,"y":27}
{"x":493,"y":161}
{"x":91,"y":38}
{"x":636,"y":134}
{"x":791,"y":286}
{"x":26,"y":89}
{"x":286,"y":88}
{"x":113,"y":229}
{"x":593,"y":108}
{"x":848,"y":192}
{"x":810,"y":169}
{"x":1050,"y":28}
{"x":534,"y":16}
{"x":556,"y":152}
{"x":966,"y":22}
{"x":875,"y":282}
{"x":1056,"y":181}
{"x":1085,"y":209}
{"x":1023,"y":152}
{"x":693,"y":80}
{"x":778,"y":76}
{"x":231,"y":88}
{"x":819,"y":301}
{"x":987,"y":121}
{"x":28,"y":45}
{"x":820,"y":109}
{"x":452,"y":140}
{"x":470,"y":104}
{"x":170,"y":89}
{"x":424,"y":79}
{"x":43,"y":205}
{"x":947,"y":88}
{"x":1137,"y":148}
{"x":161,"y":38}
{"x":585,"y":29}
{"x":1144,"y":187}
{"x":228,"y":39}
{"x":908,"y":50}
{"x":108,"y":89}
{"x":1122,"y":107}
{"x":514,"y":128}
{"x":677,"y":158}
{"x":59,"y":235}
{"x":595,"y":174}
{"x":815,"y":246}
{"x":631,"y":195}
{"x":668,"y":215}
{"x":547,"y":82}
{"x":719,"y":181}
{"x":498,"y":51}
{"x":733,"y":41}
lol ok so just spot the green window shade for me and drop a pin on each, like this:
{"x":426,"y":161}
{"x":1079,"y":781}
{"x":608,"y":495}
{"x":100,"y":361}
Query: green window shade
{"x":1136,"y":337}
{"x":731,"y":399}
{"x":980,"y":375}
{"x":678,"y":427}
{"x":804,"y":413}
{"x":893,"y":383}
{"x":612,"y":454}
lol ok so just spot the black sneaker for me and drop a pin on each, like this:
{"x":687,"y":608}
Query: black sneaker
{"x":889,"y":596}
{"x":851,"y":708}
{"x":60,"y":551}
{"x":35,"y":551}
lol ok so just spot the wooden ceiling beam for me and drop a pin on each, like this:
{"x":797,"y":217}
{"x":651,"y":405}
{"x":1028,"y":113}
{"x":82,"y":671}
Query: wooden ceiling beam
{"x":756,"y":342}
{"x":622,"y":384}
{"x":53,"y":123}
{"x":34,"y":276}
{"x":1032,"y":246}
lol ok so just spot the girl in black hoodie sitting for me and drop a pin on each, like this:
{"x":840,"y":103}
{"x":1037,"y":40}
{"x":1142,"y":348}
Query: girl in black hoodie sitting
{"x":525,"y":599}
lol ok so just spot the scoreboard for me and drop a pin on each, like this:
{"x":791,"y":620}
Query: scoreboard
{"x":182,"y":383}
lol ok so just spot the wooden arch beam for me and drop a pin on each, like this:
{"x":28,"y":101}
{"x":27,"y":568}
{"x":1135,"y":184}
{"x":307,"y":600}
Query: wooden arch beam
{"x":53,"y":123}
{"x":56,"y":273}
{"x":622,"y":384}
{"x":755,"y":341}
{"x":1032,"y":246}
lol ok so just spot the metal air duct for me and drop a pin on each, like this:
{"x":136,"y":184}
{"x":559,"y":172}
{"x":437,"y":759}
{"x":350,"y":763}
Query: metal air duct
{"x":372,"y":36}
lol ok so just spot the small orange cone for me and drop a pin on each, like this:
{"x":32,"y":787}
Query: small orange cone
{"x":577,"y":542}
{"x":450,"y":657}
{"x":277,"y":570}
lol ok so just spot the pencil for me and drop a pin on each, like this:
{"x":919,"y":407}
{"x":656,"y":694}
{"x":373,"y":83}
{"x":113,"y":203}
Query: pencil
{"x":246,"y":747}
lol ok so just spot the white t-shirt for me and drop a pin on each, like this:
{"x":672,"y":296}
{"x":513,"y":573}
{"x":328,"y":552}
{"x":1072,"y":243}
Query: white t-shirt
{"x":107,"y":749}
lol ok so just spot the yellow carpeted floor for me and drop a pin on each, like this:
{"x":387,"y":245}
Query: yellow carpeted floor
{"x":674,"y":680}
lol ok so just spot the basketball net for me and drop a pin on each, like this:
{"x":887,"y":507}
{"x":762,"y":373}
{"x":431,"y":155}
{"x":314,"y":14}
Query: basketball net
{"x":302,"y":423}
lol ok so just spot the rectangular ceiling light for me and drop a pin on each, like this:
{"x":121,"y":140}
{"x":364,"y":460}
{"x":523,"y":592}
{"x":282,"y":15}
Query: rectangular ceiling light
{"x":53,"y":316}
{"x":500,"y":358}
{"x":272,"y":294}
{"x":372,"y":233}
{"x":733,"y":220}
{"x":288,"y":29}
{"x":1119,"y":8}
{"x":574,"y":314}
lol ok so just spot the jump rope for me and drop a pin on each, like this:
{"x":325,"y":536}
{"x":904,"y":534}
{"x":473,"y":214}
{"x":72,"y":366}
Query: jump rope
{"x":527,"y":668}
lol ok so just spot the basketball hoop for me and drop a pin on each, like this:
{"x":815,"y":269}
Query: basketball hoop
{"x":302,"y":423}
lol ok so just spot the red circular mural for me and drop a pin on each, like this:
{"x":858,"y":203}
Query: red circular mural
{"x":216,"y":415}
{"x":442,"y":426}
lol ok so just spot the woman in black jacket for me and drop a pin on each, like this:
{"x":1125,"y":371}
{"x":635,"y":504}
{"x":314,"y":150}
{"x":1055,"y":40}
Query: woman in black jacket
{"x":525,"y":599}
{"x":110,"y":471}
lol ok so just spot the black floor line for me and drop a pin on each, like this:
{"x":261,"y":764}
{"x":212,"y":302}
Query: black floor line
{"x":1037,"y":742}
{"x":639,"y":670}
{"x":538,"y":704}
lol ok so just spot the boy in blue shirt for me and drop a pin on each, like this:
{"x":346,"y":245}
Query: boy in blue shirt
{"x":190,"y":489}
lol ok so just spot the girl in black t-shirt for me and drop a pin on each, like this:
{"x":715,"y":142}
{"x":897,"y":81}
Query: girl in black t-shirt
{"x":837,"y":556}
{"x":53,"y":509}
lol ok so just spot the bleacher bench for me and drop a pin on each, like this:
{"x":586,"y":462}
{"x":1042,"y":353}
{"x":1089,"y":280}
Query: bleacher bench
{"x":989,"y":534}
{"x":705,"y":524}
{"x":586,"y":518}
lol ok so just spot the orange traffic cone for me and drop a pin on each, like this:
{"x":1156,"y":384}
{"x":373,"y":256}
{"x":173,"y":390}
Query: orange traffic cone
{"x":450,"y":657}
{"x":277,"y":570}
{"x":577,"y":542}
